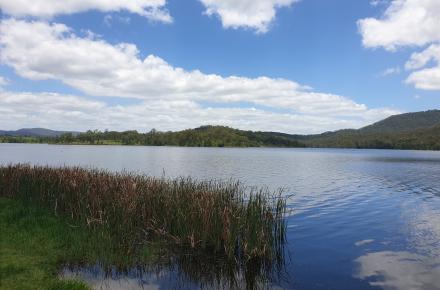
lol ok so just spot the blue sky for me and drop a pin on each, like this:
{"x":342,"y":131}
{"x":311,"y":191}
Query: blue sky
{"x":346,"y":76}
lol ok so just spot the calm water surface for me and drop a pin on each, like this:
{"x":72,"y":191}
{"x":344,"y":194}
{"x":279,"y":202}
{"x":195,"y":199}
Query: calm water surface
{"x":362,"y":219}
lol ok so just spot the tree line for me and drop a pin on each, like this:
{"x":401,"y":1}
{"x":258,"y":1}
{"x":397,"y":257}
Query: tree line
{"x":221,"y":136}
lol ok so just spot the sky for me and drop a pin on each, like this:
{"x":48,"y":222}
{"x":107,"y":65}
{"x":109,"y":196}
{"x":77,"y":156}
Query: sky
{"x":294,"y":66}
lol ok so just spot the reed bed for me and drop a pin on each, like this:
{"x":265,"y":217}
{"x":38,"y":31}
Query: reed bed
{"x":219,"y":218}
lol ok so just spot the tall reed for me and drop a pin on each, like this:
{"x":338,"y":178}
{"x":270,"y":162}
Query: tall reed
{"x":221,"y":218}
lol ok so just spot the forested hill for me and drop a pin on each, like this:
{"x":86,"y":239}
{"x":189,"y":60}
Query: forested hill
{"x":419,"y":139}
{"x":405,"y":122}
{"x":419,"y":130}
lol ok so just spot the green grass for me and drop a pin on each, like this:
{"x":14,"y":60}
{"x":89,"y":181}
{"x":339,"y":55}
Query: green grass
{"x":33,"y":243}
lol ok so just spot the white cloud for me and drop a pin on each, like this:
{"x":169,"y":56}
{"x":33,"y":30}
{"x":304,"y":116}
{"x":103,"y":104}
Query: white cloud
{"x":18,"y":110}
{"x":413,"y":23}
{"x":419,"y":60}
{"x":151,"y":9}
{"x":399,"y":270}
{"x":253,"y":14}
{"x":427,"y":78}
{"x":45,"y":109}
{"x":404,"y":23}
{"x":170,"y":96}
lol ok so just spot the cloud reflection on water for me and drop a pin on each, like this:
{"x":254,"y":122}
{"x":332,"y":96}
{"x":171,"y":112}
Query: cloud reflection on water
{"x":399,"y":270}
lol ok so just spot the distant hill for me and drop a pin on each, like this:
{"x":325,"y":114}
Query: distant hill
{"x":420,"y":130}
{"x":35,"y":132}
{"x":404,"y":122}
{"x":204,"y":136}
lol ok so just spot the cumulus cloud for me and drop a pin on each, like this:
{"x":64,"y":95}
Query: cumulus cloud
{"x":413,"y":23}
{"x":45,"y":109}
{"x":68,"y":112}
{"x":151,"y":9}
{"x":168,"y":95}
{"x":404,"y":23}
{"x":419,"y":60}
{"x":427,"y":78}
{"x":253,"y":14}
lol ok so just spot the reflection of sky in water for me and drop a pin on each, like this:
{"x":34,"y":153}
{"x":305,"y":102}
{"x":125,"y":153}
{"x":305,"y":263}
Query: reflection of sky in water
{"x":417,"y":265}
{"x":97,"y":279}
{"x":399,"y":270}
{"x":361,"y":219}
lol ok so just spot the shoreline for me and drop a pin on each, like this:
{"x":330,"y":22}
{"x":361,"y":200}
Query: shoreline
{"x":226,"y":147}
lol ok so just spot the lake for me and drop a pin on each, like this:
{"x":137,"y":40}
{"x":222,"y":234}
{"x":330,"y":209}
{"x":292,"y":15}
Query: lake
{"x":361,"y":219}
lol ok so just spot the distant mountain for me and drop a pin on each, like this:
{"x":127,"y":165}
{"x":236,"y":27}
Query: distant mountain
{"x":35,"y":132}
{"x":404,"y":122}
{"x":420,"y":130}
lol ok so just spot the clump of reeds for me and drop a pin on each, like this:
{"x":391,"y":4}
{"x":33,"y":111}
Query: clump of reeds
{"x":222,"y":218}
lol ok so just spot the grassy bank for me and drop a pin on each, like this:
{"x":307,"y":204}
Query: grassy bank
{"x":114,"y":219}
{"x":33,"y":243}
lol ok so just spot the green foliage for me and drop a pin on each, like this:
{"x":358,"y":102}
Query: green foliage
{"x":206,"y":136}
{"x":23,"y":139}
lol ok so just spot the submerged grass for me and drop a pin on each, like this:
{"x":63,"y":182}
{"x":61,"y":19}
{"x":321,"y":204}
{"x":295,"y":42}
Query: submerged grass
{"x":127,"y":213}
